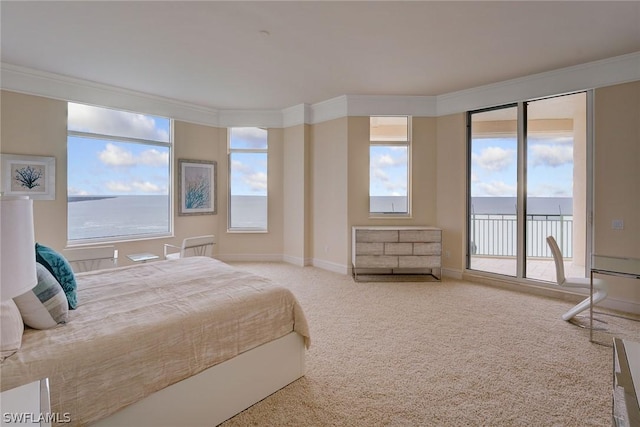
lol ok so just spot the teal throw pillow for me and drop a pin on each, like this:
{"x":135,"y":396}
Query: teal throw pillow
{"x":61,"y":270}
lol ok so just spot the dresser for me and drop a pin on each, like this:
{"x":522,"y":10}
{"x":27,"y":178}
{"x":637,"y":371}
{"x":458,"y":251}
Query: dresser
{"x":402,"y":251}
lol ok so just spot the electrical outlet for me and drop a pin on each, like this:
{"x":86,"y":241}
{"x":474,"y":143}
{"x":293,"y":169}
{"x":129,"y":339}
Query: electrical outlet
{"x":617,"y":224}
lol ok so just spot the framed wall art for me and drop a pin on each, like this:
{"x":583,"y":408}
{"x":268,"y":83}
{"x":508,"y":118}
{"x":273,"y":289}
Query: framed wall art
{"x":31,"y":176}
{"x":197,"y":187}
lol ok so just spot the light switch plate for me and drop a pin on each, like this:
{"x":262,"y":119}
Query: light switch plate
{"x":617,"y":224}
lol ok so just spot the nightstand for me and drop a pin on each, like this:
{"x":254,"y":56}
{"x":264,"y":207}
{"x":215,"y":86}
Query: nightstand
{"x":28,"y":405}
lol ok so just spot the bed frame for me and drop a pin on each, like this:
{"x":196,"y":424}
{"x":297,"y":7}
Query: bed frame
{"x":220,"y":392}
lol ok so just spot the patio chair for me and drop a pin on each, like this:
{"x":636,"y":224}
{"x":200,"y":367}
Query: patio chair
{"x":95,"y":258}
{"x":191,"y":246}
{"x":599,"y":286}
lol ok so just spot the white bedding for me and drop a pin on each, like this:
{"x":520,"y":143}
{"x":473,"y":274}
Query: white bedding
{"x":141,"y":328}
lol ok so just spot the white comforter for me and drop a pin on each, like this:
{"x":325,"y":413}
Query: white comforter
{"x":141,"y":328}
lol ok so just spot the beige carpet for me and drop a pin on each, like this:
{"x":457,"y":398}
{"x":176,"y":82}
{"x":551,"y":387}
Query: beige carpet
{"x":437,"y":354}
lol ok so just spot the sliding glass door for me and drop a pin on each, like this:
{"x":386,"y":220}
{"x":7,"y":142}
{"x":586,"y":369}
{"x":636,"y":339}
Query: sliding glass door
{"x":527,"y":181}
{"x":493,"y":228}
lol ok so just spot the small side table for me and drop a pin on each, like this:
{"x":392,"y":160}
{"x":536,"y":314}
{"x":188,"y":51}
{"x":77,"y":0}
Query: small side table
{"x":142,"y":257}
{"x":29,"y":405}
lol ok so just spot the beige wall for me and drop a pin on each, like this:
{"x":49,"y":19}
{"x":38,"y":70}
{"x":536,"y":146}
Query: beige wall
{"x":617,"y":179}
{"x":329,"y":216}
{"x":319,"y":178}
{"x":451,"y":189}
{"x":38,"y":126}
{"x":296,"y":176}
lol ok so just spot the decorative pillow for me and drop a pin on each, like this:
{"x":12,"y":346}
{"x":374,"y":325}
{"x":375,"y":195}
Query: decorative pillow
{"x":12,"y":329}
{"x":45,"y":306}
{"x":61,"y":270}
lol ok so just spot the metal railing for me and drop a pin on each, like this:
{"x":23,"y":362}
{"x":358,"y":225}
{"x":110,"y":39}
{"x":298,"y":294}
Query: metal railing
{"x":496,"y":234}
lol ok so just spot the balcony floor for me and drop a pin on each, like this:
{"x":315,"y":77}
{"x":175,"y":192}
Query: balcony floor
{"x":539,"y":268}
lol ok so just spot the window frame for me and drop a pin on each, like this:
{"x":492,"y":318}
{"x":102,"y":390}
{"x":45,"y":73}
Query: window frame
{"x":230,"y":152}
{"x":393,"y":143}
{"x":169,"y":145}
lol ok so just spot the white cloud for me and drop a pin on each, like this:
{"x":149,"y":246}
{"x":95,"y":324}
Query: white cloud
{"x":86,"y":118}
{"x":72,"y":191}
{"x":252,"y":137}
{"x":134,"y":187}
{"x":380,"y":175}
{"x":116,"y":156}
{"x":118,"y":187}
{"x":550,"y":190}
{"x":551,"y":155}
{"x":113,"y":155}
{"x":256,"y":181}
{"x":153,"y":157}
{"x":494,"y":158}
{"x":386,"y":160}
{"x":495,"y":188}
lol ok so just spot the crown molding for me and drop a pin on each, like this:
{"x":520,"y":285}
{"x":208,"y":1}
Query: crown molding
{"x":296,"y":115}
{"x":607,"y":72}
{"x":391,"y":105}
{"x":591,"y":75}
{"x":257,"y":118}
{"x":56,"y":86}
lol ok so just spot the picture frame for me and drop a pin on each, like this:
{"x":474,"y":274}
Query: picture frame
{"x":32,"y":176}
{"x":197,"y":187}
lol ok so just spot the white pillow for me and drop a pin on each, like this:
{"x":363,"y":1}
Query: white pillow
{"x":12,"y":329}
{"x":45,"y":306}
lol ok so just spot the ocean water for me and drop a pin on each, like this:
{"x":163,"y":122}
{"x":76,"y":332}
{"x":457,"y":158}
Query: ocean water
{"x":94,"y":217}
{"x":103,"y":216}
{"x":388,"y":204}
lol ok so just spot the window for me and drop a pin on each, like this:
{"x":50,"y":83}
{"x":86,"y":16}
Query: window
{"x":118,"y":175}
{"x":248,"y":150}
{"x":389,"y":165}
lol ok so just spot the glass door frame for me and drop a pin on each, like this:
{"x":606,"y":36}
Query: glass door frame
{"x":521,"y":185}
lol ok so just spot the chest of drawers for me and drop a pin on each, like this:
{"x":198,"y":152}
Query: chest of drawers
{"x":401,"y":250}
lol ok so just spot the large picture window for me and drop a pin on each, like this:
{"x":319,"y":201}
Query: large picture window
{"x":389,"y":165}
{"x":248,"y":155}
{"x":118,"y":174}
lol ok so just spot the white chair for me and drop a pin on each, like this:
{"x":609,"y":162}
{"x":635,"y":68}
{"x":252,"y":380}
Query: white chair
{"x":599,"y":286}
{"x":95,"y":258}
{"x":191,"y":246}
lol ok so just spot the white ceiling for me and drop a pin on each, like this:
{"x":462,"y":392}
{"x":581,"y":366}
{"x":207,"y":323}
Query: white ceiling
{"x":214,"y":54}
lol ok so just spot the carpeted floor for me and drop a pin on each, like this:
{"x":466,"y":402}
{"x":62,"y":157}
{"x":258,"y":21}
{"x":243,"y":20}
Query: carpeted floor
{"x":451,"y":353}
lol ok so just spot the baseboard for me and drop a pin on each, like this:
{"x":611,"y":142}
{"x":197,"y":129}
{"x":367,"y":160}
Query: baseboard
{"x":452,"y":273}
{"x":300,"y":262}
{"x":330,"y":266}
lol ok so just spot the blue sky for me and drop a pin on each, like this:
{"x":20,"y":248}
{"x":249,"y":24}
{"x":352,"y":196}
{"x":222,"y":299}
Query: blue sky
{"x":388,"y":170}
{"x":107,"y":167}
{"x":549,"y":167}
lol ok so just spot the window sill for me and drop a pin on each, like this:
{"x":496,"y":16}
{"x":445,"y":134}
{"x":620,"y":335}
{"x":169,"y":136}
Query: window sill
{"x":246,"y":231}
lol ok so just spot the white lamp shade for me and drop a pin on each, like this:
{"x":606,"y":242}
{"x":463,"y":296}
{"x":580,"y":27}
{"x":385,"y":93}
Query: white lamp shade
{"x":17,"y":247}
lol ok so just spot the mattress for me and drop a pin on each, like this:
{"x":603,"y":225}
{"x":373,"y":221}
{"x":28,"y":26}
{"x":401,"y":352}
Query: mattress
{"x":141,"y":328}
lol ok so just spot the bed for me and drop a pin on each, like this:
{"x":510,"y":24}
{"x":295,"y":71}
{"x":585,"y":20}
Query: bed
{"x":183,"y":342}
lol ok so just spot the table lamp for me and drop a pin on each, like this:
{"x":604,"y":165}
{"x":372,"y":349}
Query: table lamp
{"x":17,"y":267}
{"x":17,"y":247}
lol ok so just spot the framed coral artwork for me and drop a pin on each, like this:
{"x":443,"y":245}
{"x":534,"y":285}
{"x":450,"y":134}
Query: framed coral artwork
{"x":31,"y":176}
{"x":197,"y":187}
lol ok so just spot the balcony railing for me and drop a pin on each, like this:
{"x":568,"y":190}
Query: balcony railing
{"x":496,"y":234}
